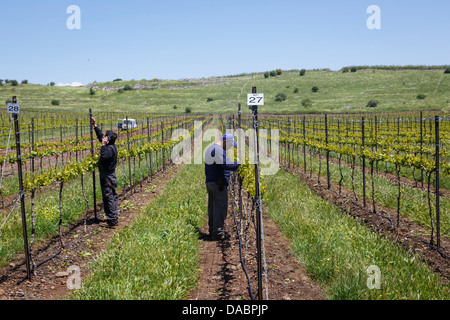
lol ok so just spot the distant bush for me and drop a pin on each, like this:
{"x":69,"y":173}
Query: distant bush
{"x":372,"y":104}
{"x":55,"y":102}
{"x":421,"y":96}
{"x":273,"y":73}
{"x":175,"y":106}
{"x":91,"y":91}
{"x":209,"y":99}
{"x":266,"y":75}
{"x":24,"y":81}
{"x":302,"y":72}
{"x":315,"y":89}
{"x":280,"y":97}
{"x":120,"y":91}
{"x":188,"y":110}
{"x":353,"y":69}
{"x":51,"y":84}
{"x":127,"y":88}
{"x":279,"y":71}
{"x":118,"y":79}
{"x":306,"y":103}
{"x":296,"y":90}
{"x":14,"y":83}
{"x":345,"y":70}
{"x":447,"y":70}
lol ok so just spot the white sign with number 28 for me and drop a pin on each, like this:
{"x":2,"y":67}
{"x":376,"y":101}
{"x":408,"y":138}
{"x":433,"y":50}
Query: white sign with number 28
{"x":13,"y":108}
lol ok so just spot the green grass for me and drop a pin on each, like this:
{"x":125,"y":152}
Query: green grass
{"x":156,"y":257}
{"x":395,"y":91}
{"x":337,"y":250}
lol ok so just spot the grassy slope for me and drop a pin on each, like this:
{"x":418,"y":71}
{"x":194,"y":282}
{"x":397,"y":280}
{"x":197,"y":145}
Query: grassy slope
{"x":395,"y":90}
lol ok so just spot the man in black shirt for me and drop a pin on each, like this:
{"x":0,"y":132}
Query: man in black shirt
{"x":107,"y":166}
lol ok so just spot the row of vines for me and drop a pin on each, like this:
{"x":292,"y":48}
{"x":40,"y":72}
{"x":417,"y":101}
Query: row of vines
{"x":411,"y":146}
{"x":64,"y":170}
{"x":246,"y":193}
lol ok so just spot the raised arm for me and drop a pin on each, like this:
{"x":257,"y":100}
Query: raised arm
{"x":98,"y":132}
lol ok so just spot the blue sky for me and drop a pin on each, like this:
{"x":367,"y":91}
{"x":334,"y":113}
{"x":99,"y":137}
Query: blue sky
{"x":174,"y":39}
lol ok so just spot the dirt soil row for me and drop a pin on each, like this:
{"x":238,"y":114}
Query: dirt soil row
{"x":223,"y":276}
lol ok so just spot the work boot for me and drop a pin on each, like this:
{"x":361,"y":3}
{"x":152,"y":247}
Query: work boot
{"x":107,"y":224}
{"x":221,"y":236}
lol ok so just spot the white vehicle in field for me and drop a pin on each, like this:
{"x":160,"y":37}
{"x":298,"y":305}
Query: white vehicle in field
{"x":129,"y":124}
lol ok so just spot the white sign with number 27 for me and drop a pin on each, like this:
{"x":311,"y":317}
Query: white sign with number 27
{"x":255,"y":99}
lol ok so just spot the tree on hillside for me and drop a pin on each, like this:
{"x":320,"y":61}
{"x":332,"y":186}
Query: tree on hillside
{"x":302,"y":72}
{"x":421,"y":96}
{"x":280,"y":97}
{"x":307,"y":103}
{"x":372,"y":104}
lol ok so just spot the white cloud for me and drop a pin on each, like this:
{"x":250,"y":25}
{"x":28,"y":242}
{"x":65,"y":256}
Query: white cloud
{"x":73,"y":84}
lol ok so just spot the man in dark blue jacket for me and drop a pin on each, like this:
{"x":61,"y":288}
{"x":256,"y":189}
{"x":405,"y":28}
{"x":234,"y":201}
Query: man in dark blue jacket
{"x":217,"y":171}
{"x":107,"y":167}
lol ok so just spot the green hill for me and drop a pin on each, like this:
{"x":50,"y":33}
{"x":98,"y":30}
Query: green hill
{"x":338,"y":91}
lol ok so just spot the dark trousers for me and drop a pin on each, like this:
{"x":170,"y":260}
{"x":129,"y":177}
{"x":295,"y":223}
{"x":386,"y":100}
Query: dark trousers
{"x":108,"y":183}
{"x":217,"y":208}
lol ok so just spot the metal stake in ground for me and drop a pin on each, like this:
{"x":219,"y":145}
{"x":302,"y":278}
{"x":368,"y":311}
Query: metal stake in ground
{"x":129,"y":158}
{"x":243,"y":156}
{"x":258,"y":199}
{"x":438,"y":228}
{"x":363,"y":162}
{"x":93,"y":171}
{"x":328,"y":153}
{"x":22,"y":197}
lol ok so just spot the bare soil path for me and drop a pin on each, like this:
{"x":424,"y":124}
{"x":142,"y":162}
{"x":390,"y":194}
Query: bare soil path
{"x":223,"y":278}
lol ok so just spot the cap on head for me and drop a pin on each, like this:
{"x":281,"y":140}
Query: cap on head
{"x":229,"y":138}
